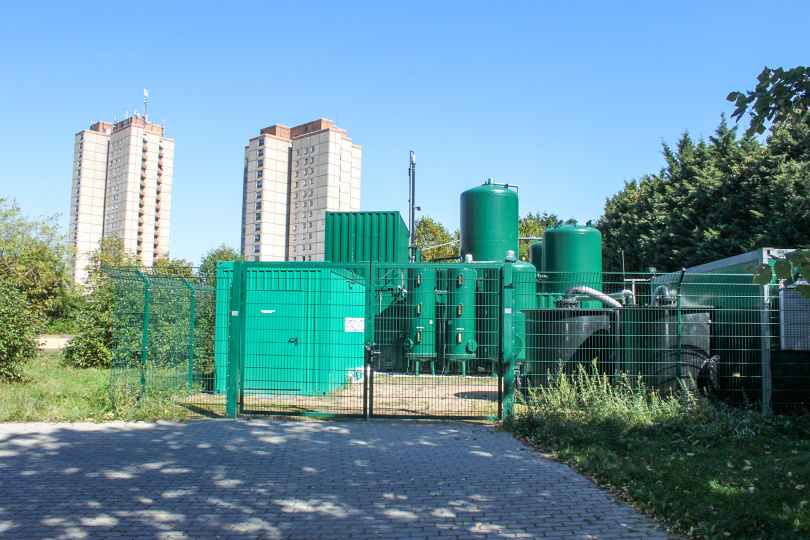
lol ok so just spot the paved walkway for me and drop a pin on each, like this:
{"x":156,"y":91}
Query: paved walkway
{"x":294,"y":479}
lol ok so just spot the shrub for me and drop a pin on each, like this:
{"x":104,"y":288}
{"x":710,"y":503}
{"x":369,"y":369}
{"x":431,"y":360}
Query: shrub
{"x":19,"y":331}
{"x":91,"y":347}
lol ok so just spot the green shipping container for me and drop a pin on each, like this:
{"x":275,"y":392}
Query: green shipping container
{"x":303,"y":328}
{"x":354,"y":237}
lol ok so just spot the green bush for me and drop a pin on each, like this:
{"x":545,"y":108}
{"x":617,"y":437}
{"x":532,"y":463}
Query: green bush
{"x":19,"y":331}
{"x":92,"y":346}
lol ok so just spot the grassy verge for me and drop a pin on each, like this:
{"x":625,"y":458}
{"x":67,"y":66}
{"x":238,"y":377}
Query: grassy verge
{"x":54,"y":392}
{"x":708,"y":470}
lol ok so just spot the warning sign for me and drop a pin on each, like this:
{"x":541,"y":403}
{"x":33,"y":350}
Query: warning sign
{"x":354,"y":324}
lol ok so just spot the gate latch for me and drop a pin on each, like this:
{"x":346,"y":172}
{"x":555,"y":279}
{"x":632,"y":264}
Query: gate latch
{"x":371,"y":352}
{"x":294,"y":340}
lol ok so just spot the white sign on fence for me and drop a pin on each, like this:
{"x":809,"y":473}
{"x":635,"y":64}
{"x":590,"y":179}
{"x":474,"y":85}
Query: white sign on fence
{"x":354,"y":324}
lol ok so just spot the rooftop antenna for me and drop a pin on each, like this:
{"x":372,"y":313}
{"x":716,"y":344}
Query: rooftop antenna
{"x":145,"y":98}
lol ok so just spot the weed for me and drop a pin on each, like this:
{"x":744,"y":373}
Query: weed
{"x":711,"y":470}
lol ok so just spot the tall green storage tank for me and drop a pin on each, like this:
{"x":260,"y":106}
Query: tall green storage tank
{"x":489,"y":222}
{"x":353,"y":237}
{"x":572,"y":256}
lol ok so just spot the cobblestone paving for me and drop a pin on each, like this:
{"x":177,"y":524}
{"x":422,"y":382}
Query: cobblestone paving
{"x":295,"y":479}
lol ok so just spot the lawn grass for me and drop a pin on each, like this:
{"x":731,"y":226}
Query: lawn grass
{"x":54,"y":392}
{"x":709,"y":470}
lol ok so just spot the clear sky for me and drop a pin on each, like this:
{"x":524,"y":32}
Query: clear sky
{"x":567,"y":99}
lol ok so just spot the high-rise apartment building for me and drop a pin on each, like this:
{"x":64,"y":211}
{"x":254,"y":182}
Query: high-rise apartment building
{"x":122,"y":185}
{"x":292,"y":177}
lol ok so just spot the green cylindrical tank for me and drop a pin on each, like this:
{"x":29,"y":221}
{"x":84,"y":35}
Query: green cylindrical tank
{"x":489,"y":222}
{"x":420,"y":344}
{"x":524,"y":277}
{"x":536,"y":255}
{"x":460,"y":315}
{"x":536,"y":259}
{"x":572,"y":256}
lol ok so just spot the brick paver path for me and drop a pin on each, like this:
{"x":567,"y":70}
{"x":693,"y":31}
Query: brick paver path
{"x":295,"y":479}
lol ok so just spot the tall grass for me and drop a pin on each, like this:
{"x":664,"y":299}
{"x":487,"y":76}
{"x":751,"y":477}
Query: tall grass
{"x":710,"y":470}
{"x":55,"y":392}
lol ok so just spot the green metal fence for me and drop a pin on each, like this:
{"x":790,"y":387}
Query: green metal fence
{"x":446,"y":340}
{"x":718,"y":332}
{"x":163,"y":336}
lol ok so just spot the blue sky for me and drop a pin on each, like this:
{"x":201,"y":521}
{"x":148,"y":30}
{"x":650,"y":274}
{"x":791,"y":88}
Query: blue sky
{"x":568,"y":100}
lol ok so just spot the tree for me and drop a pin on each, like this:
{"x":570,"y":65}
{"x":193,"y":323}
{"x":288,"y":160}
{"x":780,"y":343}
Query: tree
{"x":208,"y":263}
{"x":33,"y":257}
{"x":713,"y":199}
{"x":92,"y":347}
{"x":432,"y":233}
{"x":532,"y":226}
{"x":174,"y":267}
{"x":780,"y":96}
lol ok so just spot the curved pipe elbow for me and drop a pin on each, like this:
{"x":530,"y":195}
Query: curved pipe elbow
{"x":592,"y":293}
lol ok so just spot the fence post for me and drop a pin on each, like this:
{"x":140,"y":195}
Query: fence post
{"x":235,"y":329}
{"x":368,"y":338}
{"x":192,"y":303}
{"x":507,"y":331}
{"x":145,"y":332}
{"x":680,"y":329}
{"x":765,"y":347}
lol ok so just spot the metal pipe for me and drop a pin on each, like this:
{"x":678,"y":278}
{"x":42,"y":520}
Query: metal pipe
{"x":440,"y":245}
{"x":412,"y":202}
{"x":662,"y":291}
{"x":507,"y":186}
{"x":628,"y":296}
{"x":592,"y":293}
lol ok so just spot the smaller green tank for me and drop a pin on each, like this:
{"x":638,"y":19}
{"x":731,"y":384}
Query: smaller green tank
{"x":524,"y":278}
{"x":536,"y":259}
{"x":460,"y":315}
{"x":572,"y":256}
{"x":420,"y":344}
{"x":536,"y":255}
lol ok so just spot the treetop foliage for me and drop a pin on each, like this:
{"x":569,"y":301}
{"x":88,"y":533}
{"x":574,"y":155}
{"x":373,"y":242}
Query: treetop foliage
{"x":208,"y":263}
{"x":713,"y":199}
{"x":780,"y":96}
{"x":532,"y":226}
{"x":430,"y":232}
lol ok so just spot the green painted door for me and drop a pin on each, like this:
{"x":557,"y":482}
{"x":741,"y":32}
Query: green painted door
{"x":278,"y":352}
